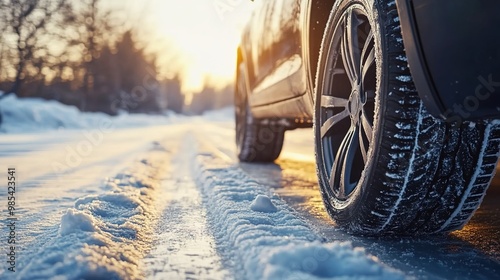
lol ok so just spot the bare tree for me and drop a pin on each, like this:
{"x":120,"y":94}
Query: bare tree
{"x":93,"y":26}
{"x":27,"y":20}
{"x":3,"y":30}
{"x":78,"y":53}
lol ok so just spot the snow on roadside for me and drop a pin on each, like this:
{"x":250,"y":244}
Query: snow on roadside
{"x":221,"y":115}
{"x":272,"y":244}
{"x":105,"y":236}
{"x":36,"y":114}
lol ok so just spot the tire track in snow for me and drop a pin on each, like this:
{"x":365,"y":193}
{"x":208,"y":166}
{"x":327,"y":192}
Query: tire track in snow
{"x":105,"y":236}
{"x":276,"y":245}
{"x":183,"y":247}
{"x":295,"y":182}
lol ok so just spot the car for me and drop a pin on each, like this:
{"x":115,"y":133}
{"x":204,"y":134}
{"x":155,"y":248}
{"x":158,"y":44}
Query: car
{"x":402,"y":96}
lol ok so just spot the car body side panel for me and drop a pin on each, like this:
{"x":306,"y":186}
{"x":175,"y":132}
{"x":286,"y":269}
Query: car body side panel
{"x":272,"y":50}
{"x":253,"y":43}
{"x":452,"y":48}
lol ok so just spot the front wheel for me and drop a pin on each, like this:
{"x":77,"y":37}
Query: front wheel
{"x":384,"y":164}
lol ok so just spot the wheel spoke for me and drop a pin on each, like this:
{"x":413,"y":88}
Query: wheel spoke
{"x":367,"y":127}
{"x":350,"y":47}
{"x":333,"y":102}
{"x":344,"y":160}
{"x":369,"y":62}
{"x":364,"y":150}
{"x":352,"y":39}
{"x":333,"y":120}
{"x":338,"y":71}
{"x":336,"y":171}
{"x":368,"y":41}
{"x":349,"y":163}
{"x":347,"y":64}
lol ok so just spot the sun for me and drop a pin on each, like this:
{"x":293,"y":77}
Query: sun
{"x":205,"y":36}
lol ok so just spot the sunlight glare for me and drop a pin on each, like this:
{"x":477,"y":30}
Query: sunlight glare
{"x":206,"y":36}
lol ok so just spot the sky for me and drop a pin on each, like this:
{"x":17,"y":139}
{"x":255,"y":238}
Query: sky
{"x":196,"y":37}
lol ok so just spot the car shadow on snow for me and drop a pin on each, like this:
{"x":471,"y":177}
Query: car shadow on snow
{"x":471,"y":253}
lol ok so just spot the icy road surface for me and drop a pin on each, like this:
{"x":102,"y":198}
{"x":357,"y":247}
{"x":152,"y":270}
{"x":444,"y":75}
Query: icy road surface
{"x":172,"y":202}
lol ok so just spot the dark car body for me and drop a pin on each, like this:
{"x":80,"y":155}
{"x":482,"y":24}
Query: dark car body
{"x":402,"y":97}
{"x":453,"y":49}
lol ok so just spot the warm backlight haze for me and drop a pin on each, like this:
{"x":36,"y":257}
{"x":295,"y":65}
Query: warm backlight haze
{"x":199,"y":36}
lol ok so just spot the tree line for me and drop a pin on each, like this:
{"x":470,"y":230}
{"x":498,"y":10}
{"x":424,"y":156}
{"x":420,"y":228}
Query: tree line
{"x":78,"y":53}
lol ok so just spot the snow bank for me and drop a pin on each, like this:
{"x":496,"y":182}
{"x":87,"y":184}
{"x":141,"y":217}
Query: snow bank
{"x":222,"y":115}
{"x":274,"y":244}
{"x":105,"y":236}
{"x":35,"y":114}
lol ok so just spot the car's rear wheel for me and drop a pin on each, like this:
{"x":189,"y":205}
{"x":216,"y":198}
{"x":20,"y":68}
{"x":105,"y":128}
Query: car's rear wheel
{"x":256,"y":140}
{"x":384,"y":164}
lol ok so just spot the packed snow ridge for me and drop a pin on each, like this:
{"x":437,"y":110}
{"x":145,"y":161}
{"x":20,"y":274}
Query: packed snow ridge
{"x":264,"y":239}
{"x":105,"y":236}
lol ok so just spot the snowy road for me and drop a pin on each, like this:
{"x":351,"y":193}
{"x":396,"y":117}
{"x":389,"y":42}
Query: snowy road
{"x":172,"y":202}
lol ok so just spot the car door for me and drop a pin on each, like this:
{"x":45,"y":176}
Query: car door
{"x":280,"y":68}
{"x":283,"y":29}
{"x":257,"y":44}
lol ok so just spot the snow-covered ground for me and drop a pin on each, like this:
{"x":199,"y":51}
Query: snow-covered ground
{"x":38,"y":115}
{"x":163,"y":197}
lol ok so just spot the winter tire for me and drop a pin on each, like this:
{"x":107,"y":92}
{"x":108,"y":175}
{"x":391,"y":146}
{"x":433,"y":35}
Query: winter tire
{"x":384,"y":164}
{"x":256,"y":140}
